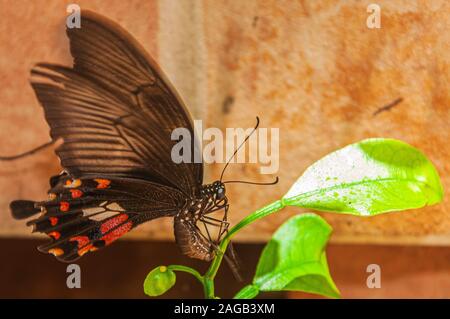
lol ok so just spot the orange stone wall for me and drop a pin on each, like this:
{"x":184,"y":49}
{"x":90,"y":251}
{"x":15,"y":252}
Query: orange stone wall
{"x":313,"y":69}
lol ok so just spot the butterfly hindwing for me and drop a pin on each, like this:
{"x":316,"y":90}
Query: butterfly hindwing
{"x":85,"y":214}
{"x":88,"y":235}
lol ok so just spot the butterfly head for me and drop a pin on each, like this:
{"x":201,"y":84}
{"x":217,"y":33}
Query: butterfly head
{"x":214,"y":192}
{"x":219,"y":190}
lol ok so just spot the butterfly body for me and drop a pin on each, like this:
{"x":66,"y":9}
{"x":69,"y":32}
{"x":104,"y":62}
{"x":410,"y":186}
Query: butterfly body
{"x":189,"y":237}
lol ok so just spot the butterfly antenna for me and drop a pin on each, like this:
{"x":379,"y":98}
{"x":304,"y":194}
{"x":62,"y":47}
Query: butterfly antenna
{"x":30,"y":152}
{"x":254,"y":183}
{"x":239,"y":147}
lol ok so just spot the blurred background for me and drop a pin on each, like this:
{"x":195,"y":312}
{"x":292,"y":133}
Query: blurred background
{"x":314,"y":69}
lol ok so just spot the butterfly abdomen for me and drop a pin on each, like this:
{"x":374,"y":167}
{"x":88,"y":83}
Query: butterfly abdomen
{"x":189,"y":238}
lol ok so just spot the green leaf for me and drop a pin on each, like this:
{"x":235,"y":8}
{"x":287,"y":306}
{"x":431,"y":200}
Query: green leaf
{"x":295,"y":259}
{"x":158,"y":281}
{"x":248,"y":292}
{"x":371,"y":177}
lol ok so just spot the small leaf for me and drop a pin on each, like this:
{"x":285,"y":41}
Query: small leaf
{"x":294,"y":259}
{"x":371,"y":177}
{"x":158,"y":281}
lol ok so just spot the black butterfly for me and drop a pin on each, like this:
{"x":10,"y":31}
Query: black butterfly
{"x":115,"y":111}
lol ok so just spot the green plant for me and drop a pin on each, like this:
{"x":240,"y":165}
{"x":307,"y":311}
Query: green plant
{"x":367,"y":178}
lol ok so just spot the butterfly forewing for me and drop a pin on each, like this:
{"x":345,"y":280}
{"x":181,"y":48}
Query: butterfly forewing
{"x":114,"y":110}
{"x":107,"y":54}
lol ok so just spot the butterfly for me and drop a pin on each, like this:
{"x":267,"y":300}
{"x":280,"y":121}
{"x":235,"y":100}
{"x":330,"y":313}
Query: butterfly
{"x":115,"y":111}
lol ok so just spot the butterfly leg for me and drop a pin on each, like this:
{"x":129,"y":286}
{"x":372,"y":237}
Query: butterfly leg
{"x":208,"y":239}
{"x":234,"y":264}
{"x":213,"y":222}
{"x":232,"y":260}
{"x":210,"y":221}
{"x":207,"y":231}
{"x":224,"y":223}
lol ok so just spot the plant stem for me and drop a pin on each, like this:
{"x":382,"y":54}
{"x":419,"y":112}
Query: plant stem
{"x":189,"y":270}
{"x":208,"y":288}
{"x":214,"y":267}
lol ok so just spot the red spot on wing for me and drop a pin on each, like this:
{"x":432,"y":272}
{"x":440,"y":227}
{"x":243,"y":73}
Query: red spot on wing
{"x":86,"y":249}
{"x":76,"y":193}
{"x":56,"y":251}
{"x":73,"y":183}
{"x":53,"y":221}
{"x":111,"y":232}
{"x":113,"y":222}
{"x":102,"y":183}
{"x":81,"y":240}
{"x":116,"y":233}
{"x":55,"y":235}
{"x":83,"y":243}
{"x":64,"y":206}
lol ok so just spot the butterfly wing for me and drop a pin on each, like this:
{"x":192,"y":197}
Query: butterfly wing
{"x":91,"y":212}
{"x":115,"y":110}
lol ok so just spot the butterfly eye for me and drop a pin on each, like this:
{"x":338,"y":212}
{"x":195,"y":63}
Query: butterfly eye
{"x":220,"y":193}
